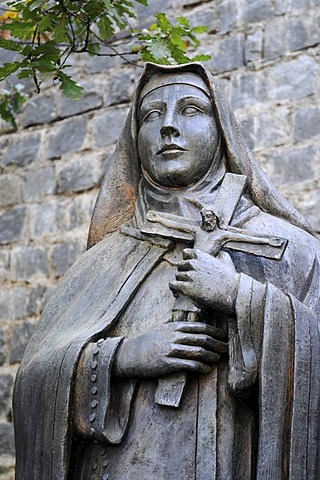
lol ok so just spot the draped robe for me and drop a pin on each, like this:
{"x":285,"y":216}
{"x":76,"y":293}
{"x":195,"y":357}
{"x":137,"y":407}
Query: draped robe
{"x":265,"y":431}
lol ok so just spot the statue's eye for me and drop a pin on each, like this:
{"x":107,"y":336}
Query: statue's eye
{"x":191,"y":110}
{"x":151,"y":116}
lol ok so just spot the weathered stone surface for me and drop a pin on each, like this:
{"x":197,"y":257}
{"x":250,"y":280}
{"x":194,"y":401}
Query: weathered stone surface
{"x":249,"y":89}
{"x":89,"y":101}
{"x":292,"y":166}
{"x":227,"y":16}
{"x":253,"y":46}
{"x":227,"y":54}
{"x":5,"y":304}
{"x":120,"y":87}
{"x":78,"y":175}
{"x":40,"y":109}
{"x":272,"y":128}
{"x":4,"y":265}
{"x":69,"y":137}
{"x":6,"y":438}
{"x":46,"y":219}
{"x":18,"y":303}
{"x":293,"y":79}
{"x":39,"y":183}
{"x":6,"y":382}
{"x":253,"y":11}
{"x":4,"y":341}
{"x":36,"y":300}
{"x":28,"y":261}
{"x":292,"y":34}
{"x":20,"y":338}
{"x":307,"y":123}
{"x":107,"y":127}
{"x":22,"y":151}
{"x":65,"y":254}
{"x":10,"y":190}
{"x":78,"y":211}
{"x":11,"y":225}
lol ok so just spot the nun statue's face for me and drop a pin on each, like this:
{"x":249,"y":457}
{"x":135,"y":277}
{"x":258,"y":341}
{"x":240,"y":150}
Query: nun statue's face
{"x":178,"y":135}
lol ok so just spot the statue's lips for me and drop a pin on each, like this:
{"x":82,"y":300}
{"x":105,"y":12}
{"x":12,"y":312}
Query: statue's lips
{"x":171,"y":148}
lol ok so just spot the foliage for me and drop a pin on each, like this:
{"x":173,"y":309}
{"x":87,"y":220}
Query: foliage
{"x":43,"y":35}
{"x":11,"y":101}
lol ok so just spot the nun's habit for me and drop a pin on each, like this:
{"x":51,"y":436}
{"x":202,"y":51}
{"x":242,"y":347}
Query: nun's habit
{"x":255,"y":416}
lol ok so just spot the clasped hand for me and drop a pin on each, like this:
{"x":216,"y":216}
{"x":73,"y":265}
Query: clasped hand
{"x":210,"y":281}
{"x":184,"y":346}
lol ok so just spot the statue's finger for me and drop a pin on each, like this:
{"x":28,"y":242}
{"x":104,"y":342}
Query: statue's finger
{"x":194,"y":352}
{"x":188,"y":253}
{"x":182,"y":364}
{"x":186,"y":265}
{"x":202,"y":340}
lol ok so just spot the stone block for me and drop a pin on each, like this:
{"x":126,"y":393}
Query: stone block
{"x":4,"y":341}
{"x":227,"y":16}
{"x":4,"y":264}
{"x":89,"y":101}
{"x":102,"y":64}
{"x":5,"y":304}
{"x":249,"y":89}
{"x":40,"y":109}
{"x":20,"y":338}
{"x":11,"y":225}
{"x":36,"y":300}
{"x":247,"y":129}
{"x":307,"y":123}
{"x":292,"y":34}
{"x":292,"y":166}
{"x":29,"y":261}
{"x":6,"y":383}
{"x":45,"y":218}
{"x":253,"y":46}
{"x":272,"y":128}
{"x":293,"y":79}
{"x":310,"y":208}
{"x":227,"y":54}
{"x":254,"y":11}
{"x":6,"y":438}
{"x":21,"y":150}
{"x":78,"y":175}
{"x":120,"y":87}
{"x":69,"y":138}
{"x":107,"y":127}
{"x":18,"y":303}
{"x":39,"y":183}
{"x":78,"y":212}
{"x":65,"y":254}
{"x":204,"y":16}
{"x":10,"y":190}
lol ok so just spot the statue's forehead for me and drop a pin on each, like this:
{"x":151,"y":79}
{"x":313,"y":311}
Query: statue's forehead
{"x":173,"y":92}
{"x":161,"y":80}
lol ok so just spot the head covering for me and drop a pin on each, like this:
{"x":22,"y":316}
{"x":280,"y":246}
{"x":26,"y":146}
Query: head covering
{"x":119,"y":190}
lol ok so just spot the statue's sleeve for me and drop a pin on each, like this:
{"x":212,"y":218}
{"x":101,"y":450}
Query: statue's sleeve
{"x":102,"y":407}
{"x":275,"y":350}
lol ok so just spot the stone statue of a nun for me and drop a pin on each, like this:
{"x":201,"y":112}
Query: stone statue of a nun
{"x":184,"y":343}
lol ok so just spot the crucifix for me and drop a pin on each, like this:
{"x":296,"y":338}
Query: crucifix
{"x":210,"y":233}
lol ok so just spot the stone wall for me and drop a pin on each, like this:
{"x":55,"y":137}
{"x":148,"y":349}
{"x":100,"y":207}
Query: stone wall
{"x":265,"y":54}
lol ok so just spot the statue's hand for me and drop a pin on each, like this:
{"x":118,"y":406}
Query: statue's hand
{"x":173,"y":347}
{"x":208,"y":280}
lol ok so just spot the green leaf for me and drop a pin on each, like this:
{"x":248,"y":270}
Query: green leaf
{"x":33,"y":5}
{"x":164,"y":24}
{"x":184,"y":21}
{"x":60,"y":33}
{"x":143,"y":2}
{"x":10,"y":45}
{"x":200,"y":58}
{"x":69,"y":87}
{"x":25,"y":73}
{"x":19,"y":30}
{"x":200,"y":29}
{"x":159,"y":49}
{"x":45,"y":23}
{"x":8,"y":68}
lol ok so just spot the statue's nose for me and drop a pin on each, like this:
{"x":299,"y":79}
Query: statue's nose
{"x":170,"y":131}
